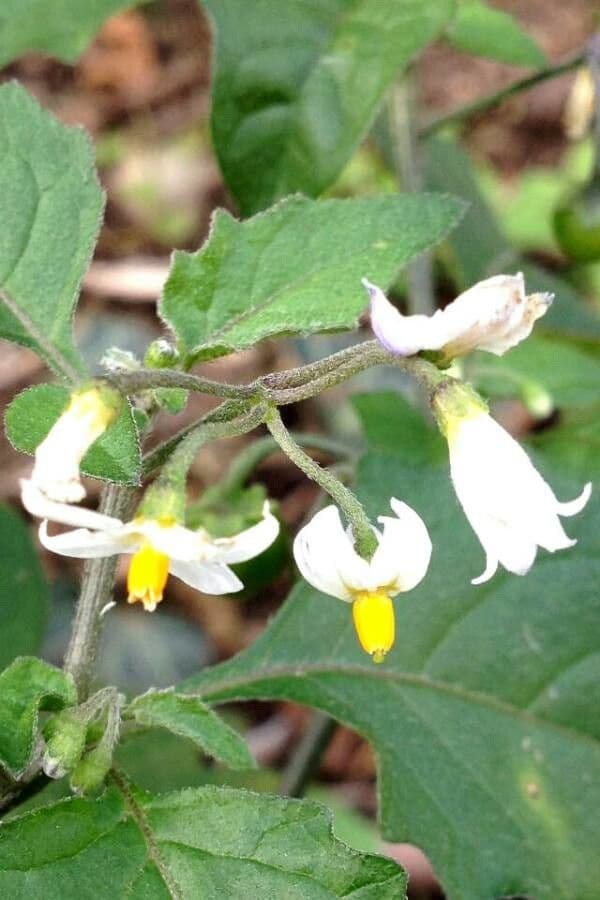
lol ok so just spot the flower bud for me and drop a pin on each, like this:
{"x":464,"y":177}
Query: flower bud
{"x":537,"y":399}
{"x":161,"y":354}
{"x":65,"y":736}
{"x":91,"y":772}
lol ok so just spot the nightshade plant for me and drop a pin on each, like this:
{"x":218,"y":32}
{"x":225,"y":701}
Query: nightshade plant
{"x":479,"y":699}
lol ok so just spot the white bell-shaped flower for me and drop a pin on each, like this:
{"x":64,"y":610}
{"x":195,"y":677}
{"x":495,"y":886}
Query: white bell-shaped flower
{"x":58,"y":457}
{"x":158,"y":546}
{"x":494,"y":315}
{"x":326,"y":557}
{"x":511,"y":508}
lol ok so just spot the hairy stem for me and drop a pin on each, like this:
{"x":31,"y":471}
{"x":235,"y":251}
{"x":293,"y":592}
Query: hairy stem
{"x":463,"y":113}
{"x":365,"y":540}
{"x":263,"y":447}
{"x":146,"y":379}
{"x":96,"y":591}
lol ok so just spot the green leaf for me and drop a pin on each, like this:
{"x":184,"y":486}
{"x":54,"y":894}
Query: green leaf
{"x":26,"y":687}
{"x":485,"y":716}
{"x":23,"y":590}
{"x":294,"y":92}
{"x":295,"y":269}
{"x":483,"y":31}
{"x":114,"y":457}
{"x":62,"y":28}
{"x":210,"y":843}
{"x":477,"y":249}
{"x":51,"y":210}
{"x":191,"y":718}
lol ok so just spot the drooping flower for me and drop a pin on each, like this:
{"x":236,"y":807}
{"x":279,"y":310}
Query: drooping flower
{"x":159,"y":546}
{"x":494,"y":315}
{"x":511,"y":508}
{"x":326,"y":557}
{"x":58,"y":457}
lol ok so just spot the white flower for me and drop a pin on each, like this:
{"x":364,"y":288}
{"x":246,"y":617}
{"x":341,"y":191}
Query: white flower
{"x":510,"y":507}
{"x":158,"y":546}
{"x":58,"y":457}
{"x":326,"y":557}
{"x":494,"y":315}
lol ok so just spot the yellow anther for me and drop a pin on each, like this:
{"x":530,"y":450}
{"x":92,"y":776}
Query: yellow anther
{"x":147,"y":577}
{"x":373,"y":615}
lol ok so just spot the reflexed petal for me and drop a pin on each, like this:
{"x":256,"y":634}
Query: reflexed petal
{"x":249,"y":543}
{"x":572,"y":507}
{"x":36,"y":503}
{"x":208,"y":577}
{"x":84,"y":544}
{"x":326,"y":557}
{"x":404,"y":551}
{"x":491,"y":567}
{"x":401,"y":335}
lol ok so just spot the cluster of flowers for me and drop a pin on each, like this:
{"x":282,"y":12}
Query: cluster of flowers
{"x":511,"y":508}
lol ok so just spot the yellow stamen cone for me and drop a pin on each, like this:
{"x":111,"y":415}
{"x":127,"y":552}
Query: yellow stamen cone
{"x":373,"y":615}
{"x":147,"y":577}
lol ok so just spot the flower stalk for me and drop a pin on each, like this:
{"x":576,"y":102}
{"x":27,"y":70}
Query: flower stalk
{"x":365,"y":539}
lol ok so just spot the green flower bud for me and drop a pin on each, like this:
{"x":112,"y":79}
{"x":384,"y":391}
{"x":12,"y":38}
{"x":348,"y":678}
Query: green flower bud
{"x":161,"y":354}
{"x":65,"y":736}
{"x":91,"y":772}
{"x":537,"y":399}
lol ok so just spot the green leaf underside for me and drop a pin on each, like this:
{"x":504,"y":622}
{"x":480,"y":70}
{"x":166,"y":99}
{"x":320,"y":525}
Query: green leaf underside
{"x":296,"y":269}
{"x":26,"y":687}
{"x":210,"y":843}
{"x":23,"y":590}
{"x":492,"y":33}
{"x":51,"y":210}
{"x":485,"y":716}
{"x":189,"y":717}
{"x":61,"y":28}
{"x":478,"y":249}
{"x":295,"y":92}
{"x":115,"y":456}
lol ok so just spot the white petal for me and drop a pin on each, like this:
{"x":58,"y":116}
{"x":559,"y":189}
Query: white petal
{"x":401,"y":335}
{"x":174,"y":541}
{"x":572,"y":507}
{"x":84,"y":544}
{"x":491,"y":567}
{"x":404,"y":551}
{"x":210,"y":578}
{"x":326,"y":557}
{"x":249,"y":543}
{"x":36,"y":503}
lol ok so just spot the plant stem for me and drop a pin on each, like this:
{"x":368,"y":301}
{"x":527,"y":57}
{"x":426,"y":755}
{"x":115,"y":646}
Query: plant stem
{"x":307,"y":754}
{"x":96,"y":590}
{"x":484,"y":103}
{"x":260,"y":449}
{"x":146,"y":379}
{"x":365,"y":540}
{"x":401,"y":118}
